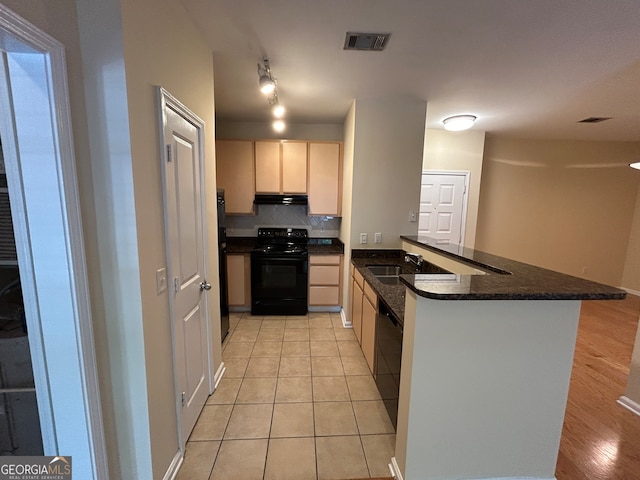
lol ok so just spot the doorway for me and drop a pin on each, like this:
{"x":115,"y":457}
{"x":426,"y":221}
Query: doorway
{"x":35,"y":126}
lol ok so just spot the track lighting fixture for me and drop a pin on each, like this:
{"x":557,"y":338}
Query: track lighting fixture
{"x":267,"y":82}
{"x":268,"y":86}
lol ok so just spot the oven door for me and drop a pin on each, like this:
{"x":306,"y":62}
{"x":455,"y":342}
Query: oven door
{"x":279,"y":284}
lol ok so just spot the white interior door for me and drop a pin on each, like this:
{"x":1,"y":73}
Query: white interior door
{"x":443,"y":206}
{"x":183,"y":164}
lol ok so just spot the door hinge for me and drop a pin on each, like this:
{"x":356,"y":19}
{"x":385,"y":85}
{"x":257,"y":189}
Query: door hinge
{"x":169,"y":159}
{"x":176,"y":284}
{"x":183,"y":399}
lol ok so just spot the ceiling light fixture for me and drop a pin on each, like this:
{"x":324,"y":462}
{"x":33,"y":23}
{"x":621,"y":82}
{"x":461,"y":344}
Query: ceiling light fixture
{"x":458,"y":123}
{"x":635,"y":165}
{"x":279,"y":125}
{"x":269,"y":87}
{"x":278,"y":110}
{"x":267,"y":82}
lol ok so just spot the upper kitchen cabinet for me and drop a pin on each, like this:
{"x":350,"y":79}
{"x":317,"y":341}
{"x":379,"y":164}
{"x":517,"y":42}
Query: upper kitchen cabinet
{"x":235,"y":173}
{"x":325,"y":178}
{"x":281,"y":167}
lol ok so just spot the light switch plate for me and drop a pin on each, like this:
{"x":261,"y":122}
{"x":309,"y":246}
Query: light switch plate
{"x":377,"y":238}
{"x":412,"y":216}
{"x":363,"y":238}
{"x":161,"y":280}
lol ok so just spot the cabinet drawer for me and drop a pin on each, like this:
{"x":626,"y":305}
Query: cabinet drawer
{"x":357,"y":276}
{"x":324,"y":275}
{"x":371,"y":295}
{"x":324,"y":295}
{"x":324,"y":259}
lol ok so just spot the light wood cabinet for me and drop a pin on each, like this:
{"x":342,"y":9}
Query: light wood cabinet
{"x":356,"y":310}
{"x":369,"y":313}
{"x":357,"y":284}
{"x":235,"y":173}
{"x":239,"y":280}
{"x":281,"y":166}
{"x":325,"y":280}
{"x":325,"y":178}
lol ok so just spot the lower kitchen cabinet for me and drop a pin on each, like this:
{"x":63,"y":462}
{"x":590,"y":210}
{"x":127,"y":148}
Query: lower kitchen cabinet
{"x":325,"y":280}
{"x":239,"y":280}
{"x":356,"y":303}
{"x":369,"y":312}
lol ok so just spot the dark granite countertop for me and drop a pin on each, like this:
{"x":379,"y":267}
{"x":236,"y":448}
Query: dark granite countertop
{"x":240,"y":245}
{"x":391,"y":295}
{"x":506,"y":279}
{"x":315,"y":246}
{"x":325,"y":246}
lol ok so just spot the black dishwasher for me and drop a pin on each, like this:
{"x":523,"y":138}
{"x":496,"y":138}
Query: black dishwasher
{"x":388,"y":359}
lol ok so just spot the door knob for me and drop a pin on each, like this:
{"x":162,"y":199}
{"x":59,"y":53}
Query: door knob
{"x":205,"y":286}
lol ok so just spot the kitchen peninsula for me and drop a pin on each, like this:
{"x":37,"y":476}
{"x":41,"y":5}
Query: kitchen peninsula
{"x":486,"y":364}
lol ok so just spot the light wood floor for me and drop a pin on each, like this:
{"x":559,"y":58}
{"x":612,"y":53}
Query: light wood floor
{"x":600,"y":438}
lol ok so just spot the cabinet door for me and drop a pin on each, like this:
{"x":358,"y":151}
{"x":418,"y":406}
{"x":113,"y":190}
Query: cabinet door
{"x":325,"y":170}
{"x":369,"y":333}
{"x":235,"y":173}
{"x":268,"y":171}
{"x":238,"y":280}
{"x":356,"y":310}
{"x":294,"y":167}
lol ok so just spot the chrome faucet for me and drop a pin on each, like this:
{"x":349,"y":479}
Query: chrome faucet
{"x":414,"y":258}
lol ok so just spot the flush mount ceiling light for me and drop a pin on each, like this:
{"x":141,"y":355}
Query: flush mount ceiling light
{"x":635,"y":165}
{"x":267,"y":82}
{"x":458,"y":123}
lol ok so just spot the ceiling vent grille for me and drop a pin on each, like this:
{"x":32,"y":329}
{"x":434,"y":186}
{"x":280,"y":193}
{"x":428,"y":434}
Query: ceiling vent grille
{"x":374,"y":42}
{"x":594,"y":119}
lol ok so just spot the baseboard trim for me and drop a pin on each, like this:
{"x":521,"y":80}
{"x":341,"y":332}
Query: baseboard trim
{"x":218,"y":376}
{"x":630,"y":405}
{"x":346,"y":323}
{"x":631,"y":291}
{"x":395,"y":469}
{"x":174,"y":467}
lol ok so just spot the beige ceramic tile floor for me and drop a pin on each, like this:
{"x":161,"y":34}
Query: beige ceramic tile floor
{"x":297,"y":401}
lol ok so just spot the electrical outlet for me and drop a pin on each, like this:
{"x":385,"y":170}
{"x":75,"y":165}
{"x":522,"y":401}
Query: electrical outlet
{"x":363,"y":238}
{"x":413,"y":216}
{"x":377,"y":238}
{"x":161,"y":280}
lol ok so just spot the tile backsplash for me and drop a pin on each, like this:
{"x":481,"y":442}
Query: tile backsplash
{"x":290,"y":216}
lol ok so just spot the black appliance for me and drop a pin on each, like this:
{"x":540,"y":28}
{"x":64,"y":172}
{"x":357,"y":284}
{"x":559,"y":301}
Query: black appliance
{"x":280,"y":272}
{"x":281,"y":200}
{"x":388,"y":359}
{"x":222,"y":262}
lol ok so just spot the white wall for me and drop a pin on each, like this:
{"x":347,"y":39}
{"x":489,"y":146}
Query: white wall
{"x":631,"y":273}
{"x":125,"y":55}
{"x":120,"y":335}
{"x":167,"y":50}
{"x":387,"y":164}
{"x":262,"y":130}
{"x":563,"y":205}
{"x":460,"y":151}
{"x":347,"y":201}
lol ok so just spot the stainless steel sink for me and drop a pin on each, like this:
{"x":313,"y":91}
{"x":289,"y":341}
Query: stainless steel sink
{"x":385,"y":270}
{"x":389,"y":280}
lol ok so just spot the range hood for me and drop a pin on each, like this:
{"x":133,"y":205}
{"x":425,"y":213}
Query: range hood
{"x":281,"y":200}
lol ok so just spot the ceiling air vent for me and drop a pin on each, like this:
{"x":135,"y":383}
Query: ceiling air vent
{"x":594,"y":119}
{"x":366,"y":41}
